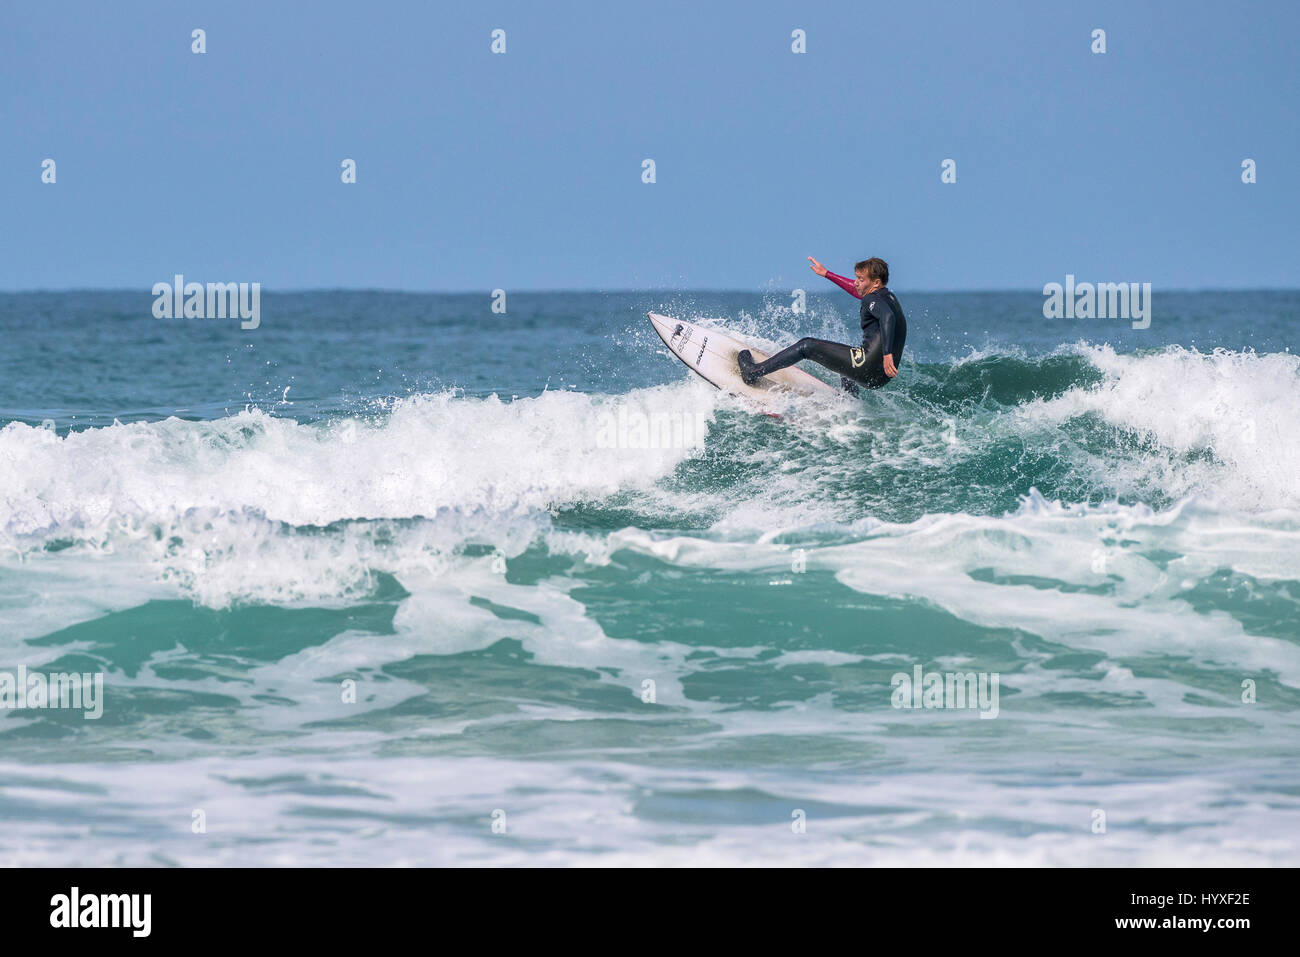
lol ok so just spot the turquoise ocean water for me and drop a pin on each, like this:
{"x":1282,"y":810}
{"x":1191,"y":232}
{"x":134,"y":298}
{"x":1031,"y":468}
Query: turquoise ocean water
{"x":573,"y":639}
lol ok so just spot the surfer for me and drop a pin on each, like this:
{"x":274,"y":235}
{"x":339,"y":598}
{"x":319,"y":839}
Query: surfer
{"x":883,"y":330}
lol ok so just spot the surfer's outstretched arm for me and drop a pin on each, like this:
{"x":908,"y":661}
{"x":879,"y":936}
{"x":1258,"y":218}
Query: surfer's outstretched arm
{"x":844,"y":283}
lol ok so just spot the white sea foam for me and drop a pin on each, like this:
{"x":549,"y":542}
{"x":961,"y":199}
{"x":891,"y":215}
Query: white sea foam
{"x":1226,"y":423}
{"x":235,"y":508}
{"x":418,"y":812}
{"x":254,"y":507}
{"x":1106,"y":579}
{"x":432,"y":453}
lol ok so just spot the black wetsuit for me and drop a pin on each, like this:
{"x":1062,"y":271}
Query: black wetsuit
{"x":884,"y":329}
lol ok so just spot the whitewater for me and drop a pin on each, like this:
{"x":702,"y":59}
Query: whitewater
{"x":356,"y":607}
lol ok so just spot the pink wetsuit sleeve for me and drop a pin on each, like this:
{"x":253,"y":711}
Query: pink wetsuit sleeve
{"x":845,"y":284}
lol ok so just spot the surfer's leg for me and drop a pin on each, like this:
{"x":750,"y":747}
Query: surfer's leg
{"x":859,"y":365}
{"x":805,"y":348}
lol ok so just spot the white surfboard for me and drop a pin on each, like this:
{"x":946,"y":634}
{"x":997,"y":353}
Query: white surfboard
{"x":710,"y":353}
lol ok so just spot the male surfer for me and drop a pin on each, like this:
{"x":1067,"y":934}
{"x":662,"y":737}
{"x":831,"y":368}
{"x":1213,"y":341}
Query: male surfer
{"x":883,"y":332}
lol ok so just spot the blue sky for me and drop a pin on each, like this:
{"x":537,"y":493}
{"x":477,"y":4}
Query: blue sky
{"x":523,"y":170}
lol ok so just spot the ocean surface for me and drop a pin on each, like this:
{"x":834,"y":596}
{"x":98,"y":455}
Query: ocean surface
{"x":396,"y":579}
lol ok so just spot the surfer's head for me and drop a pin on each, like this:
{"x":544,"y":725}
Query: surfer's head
{"x":870,"y":274}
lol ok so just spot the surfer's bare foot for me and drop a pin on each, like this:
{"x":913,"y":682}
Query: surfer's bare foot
{"x":746,"y":362}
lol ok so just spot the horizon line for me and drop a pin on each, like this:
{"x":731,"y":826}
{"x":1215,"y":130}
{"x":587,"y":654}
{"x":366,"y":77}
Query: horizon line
{"x":611,"y":292}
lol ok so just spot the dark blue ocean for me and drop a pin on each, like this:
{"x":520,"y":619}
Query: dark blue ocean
{"x":398,"y":579}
